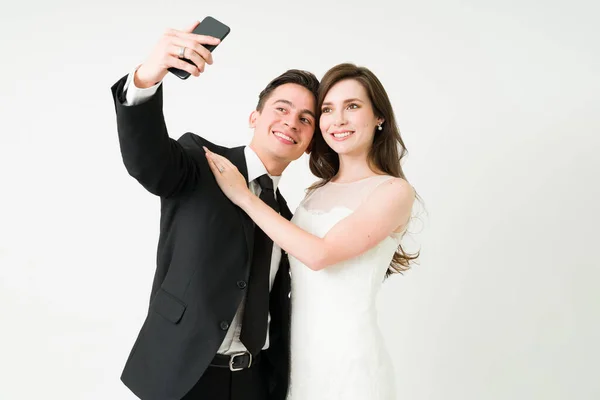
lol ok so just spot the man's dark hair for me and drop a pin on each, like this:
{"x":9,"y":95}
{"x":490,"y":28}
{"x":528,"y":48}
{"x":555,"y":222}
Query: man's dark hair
{"x":303,"y":78}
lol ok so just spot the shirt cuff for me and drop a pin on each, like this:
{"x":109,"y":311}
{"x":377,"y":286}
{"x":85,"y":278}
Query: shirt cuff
{"x":135,"y":95}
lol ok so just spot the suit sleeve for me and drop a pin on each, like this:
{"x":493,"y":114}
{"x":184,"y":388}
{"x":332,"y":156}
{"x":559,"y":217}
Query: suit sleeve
{"x":160,"y":164}
{"x":135,"y":95}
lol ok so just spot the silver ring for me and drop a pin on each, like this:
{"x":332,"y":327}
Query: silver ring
{"x":182,"y":52}
{"x":221,"y":169}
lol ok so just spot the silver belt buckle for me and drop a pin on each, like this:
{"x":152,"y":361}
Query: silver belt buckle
{"x":233,"y":356}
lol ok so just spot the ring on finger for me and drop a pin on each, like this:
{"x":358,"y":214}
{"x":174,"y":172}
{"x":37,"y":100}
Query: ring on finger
{"x":181,"y":52}
{"x":221,"y":169}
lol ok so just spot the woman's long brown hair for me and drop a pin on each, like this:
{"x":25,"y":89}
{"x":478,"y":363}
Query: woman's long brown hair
{"x":385,"y":154}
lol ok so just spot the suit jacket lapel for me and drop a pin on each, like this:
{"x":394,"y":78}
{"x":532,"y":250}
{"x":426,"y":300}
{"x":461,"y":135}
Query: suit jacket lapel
{"x":279,"y":304}
{"x":236,"y":156}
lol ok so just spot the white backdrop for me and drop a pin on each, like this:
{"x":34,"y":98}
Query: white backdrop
{"x":497,"y":102}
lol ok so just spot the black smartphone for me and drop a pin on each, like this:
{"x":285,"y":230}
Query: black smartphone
{"x":209,"y":27}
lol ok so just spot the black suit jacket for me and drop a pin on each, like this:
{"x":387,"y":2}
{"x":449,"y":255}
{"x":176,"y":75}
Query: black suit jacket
{"x":204,"y":258}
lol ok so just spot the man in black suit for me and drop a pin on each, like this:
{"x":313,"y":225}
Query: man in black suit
{"x":218,"y":323}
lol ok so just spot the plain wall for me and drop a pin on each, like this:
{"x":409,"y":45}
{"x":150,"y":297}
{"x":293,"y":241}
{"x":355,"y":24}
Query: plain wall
{"x":497,"y":103}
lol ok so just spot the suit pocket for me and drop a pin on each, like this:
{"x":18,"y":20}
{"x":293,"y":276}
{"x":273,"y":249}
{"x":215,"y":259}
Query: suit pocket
{"x":168,"y":306}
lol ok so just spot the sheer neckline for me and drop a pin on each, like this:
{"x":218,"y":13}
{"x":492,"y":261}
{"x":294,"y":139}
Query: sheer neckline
{"x":360,"y":180}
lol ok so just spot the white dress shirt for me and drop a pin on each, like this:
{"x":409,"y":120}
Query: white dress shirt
{"x":231,"y":344}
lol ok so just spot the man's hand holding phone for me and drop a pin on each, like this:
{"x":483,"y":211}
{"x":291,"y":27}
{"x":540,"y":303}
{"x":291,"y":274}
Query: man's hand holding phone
{"x":170,"y":51}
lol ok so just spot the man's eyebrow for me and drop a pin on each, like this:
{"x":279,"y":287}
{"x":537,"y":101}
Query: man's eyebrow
{"x":289,"y":103}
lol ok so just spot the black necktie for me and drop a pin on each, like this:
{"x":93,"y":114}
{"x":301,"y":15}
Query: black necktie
{"x":256,"y":311}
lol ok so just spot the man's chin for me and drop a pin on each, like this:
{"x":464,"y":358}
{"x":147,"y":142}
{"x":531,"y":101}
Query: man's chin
{"x":281,"y":150}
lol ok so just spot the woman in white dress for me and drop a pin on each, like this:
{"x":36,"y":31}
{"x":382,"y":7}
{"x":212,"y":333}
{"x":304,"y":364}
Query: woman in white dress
{"x":343,"y":240}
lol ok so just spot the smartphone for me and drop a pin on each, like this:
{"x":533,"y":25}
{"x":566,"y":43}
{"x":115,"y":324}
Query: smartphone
{"x":209,"y":27}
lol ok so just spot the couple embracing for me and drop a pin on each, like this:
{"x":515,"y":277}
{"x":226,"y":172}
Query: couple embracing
{"x":250,"y":301}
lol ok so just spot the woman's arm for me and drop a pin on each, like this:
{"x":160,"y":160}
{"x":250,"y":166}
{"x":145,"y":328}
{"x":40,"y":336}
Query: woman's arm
{"x":386,"y":209}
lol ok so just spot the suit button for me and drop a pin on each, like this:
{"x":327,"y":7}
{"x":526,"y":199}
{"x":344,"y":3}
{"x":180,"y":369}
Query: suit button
{"x":241,"y":284}
{"x":224,"y":325}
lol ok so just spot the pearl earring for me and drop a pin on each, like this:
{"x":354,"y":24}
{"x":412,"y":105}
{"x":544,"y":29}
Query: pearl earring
{"x":379,"y":127}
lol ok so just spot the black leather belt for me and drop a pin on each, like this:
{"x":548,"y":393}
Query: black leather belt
{"x":235,"y":362}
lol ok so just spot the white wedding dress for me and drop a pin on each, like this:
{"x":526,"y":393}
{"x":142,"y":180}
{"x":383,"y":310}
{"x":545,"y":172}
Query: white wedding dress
{"x":337,"y":350}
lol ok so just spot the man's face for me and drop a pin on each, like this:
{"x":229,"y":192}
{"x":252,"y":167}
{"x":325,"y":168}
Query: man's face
{"x":285,"y":126}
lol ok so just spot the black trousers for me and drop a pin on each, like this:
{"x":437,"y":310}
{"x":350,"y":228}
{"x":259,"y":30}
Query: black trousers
{"x":222,"y":384}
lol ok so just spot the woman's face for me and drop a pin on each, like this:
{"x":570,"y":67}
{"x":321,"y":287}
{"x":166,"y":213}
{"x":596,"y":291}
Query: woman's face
{"x":348,"y":122}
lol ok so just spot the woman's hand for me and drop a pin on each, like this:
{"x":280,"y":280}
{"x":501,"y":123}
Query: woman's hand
{"x":230,"y":180}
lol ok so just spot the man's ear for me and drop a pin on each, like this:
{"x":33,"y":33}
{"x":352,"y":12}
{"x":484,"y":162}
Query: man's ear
{"x":252,"y":119}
